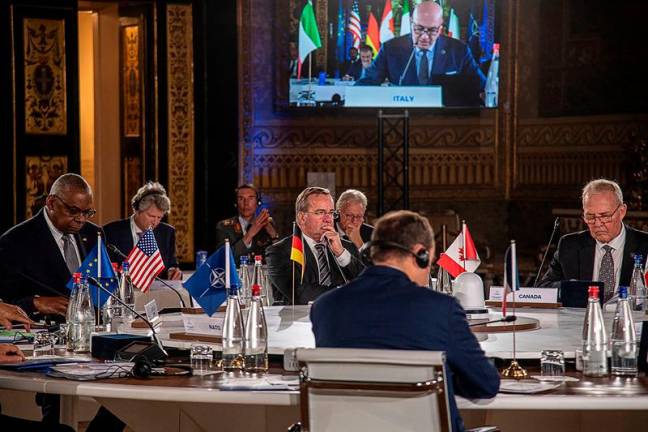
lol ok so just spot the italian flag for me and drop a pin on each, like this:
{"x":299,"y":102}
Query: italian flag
{"x":309,"y":38}
{"x":453,"y":25}
{"x":405,"y":19}
{"x":373,"y":34}
{"x":387,"y":23}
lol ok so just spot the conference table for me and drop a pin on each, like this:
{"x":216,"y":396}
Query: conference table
{"x":195,"y":403}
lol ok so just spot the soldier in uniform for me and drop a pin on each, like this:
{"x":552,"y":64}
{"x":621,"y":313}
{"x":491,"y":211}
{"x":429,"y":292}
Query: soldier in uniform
{"x":249,"y":233}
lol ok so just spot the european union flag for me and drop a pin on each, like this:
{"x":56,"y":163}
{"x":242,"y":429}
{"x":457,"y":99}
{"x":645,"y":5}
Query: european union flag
{"x":207,"y":284}
{"x":90,"y":267}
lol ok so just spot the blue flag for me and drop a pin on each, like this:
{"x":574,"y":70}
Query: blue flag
{"x":487,"y":30}
{"x":472,"y":37}
{"x":90,"y":267}
{"x":340,"y":49}
{"x":207,"y":284}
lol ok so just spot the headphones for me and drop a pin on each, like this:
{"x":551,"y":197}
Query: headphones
{"x":247,"y":186}
{"x":422,"y":257}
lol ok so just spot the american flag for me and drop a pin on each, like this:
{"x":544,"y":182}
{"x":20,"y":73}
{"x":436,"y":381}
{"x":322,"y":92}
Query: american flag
{"x":354,"y":24}
{"x":145,"y":261}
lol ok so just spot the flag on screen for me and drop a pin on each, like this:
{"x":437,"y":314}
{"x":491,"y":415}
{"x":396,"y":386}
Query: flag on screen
{"x":309,"y":38}
{"x":97,"y":264}
{"x":145,"y":261}
{"x":472,"y":37}
{"x":340,"y":49}
{"x":461,"y":256}
{"x":405,"y":27}
{"x":387,"y":23}
{"x":511,"y":274}
{"x":373,"y":34}
{"x":208,"y":284}
{"x":354,"y":25}
{"x":487,"y":30}
{"x":297,"y":249}
{"x":453,"y":25}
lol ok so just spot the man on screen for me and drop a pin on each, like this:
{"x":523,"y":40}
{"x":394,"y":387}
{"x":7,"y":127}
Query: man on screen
{"x":424,"y":57}
{"x":354,"y":72}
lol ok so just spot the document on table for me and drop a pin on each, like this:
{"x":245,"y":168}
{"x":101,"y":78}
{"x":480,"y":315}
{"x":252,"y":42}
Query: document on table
{"x":261,"y":383}
{"x":527,"y":386}
{"x":91,"y":371}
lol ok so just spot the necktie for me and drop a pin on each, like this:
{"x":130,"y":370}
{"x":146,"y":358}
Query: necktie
{"x":423,"y":72}
{"x":69,"y":254}
{"x":606,"y":272}
{"x":322,"y":265}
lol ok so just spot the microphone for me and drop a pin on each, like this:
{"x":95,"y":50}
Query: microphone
{"x":509,"y":318}
{"x":544,"y":256}
{"x":328,"y":246}
{"x":137,"y":314}
{"x":39,"y":283}
{"x":402,"y":77}
{"x":116,"y":250}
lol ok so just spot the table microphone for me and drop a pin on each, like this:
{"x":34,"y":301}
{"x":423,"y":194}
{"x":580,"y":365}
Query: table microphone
{"x":116,"y":250}
{"x":509,"y":318}
{"x":96,"y":283}
{"x":400,"y":80}
{"x":544,"y":256}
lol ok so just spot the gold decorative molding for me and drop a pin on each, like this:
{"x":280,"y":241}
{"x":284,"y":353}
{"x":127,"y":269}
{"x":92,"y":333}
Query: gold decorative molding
{"x":181,"y":131}
{"x":41,"y":172}
{"x":44,"y":72}
{"x":131,"y":81}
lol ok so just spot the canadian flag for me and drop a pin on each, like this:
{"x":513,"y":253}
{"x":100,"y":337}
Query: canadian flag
{"x":461,"y":256}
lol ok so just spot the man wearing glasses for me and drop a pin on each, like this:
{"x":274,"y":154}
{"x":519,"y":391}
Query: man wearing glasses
{"x":39,"y":255}
{"x":604,"y":252}
{"x":329,"y":260}
{"x":424,"y":56}
{"x":351,"y":207}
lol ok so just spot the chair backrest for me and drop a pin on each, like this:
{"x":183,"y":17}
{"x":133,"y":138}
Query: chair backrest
{"x":373,"y":390}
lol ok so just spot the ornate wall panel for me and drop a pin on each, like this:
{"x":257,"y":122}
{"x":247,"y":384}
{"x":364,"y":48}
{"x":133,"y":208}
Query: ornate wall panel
{"x":131,"y":87}
{"x":41,"y":171}
{"x":44,"y":72}
{"x":180,"y":94}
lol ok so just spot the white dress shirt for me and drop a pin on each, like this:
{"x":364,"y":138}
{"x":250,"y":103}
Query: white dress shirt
{"x":58,"y":237}
{"x":343,"y":260}
{"x":136,"y":231}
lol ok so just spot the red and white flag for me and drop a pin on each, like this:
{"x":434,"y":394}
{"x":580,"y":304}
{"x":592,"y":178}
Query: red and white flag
{"x":387,"y":23}
{"x":461,"y":256}
{"x":145,"y":261}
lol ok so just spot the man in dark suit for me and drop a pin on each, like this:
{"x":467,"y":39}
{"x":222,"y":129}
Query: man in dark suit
{"x":249,"y":233}
{"x":387,"y":307}
{"x":329,"y":260}
{"x":150,"y":204}
{"x":358,"y":63}
{"x":604,"y":252}
{"x":351,"y":207}
{"x":39,"y":255}
{"x":426,"y":57}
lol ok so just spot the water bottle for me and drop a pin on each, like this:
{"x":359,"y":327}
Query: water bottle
{"x":444,"y":284}
{"x":256,"y":334}
{"x":82,"y":319}
{"x":71,"y":311}
{"x":492,"y":79}
{"x":595,"y":342}
{"x":244,"y":277}
{"x":623,"y":338}
{"x":260,"y":278}
{"x":233,"y":333}
{"x":108,"y":309}
{"x":637,"y":286}
{"x":126,"y":294}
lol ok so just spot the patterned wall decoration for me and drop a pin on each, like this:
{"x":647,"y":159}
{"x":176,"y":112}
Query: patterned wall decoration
{"x":41,"y":172}
{"x":131,"y":88}
{"x":180,"y":94}
{"x":44,"y":68}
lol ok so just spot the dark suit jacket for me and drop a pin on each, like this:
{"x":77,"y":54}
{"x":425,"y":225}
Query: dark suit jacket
{"x":365,"y":232}
{"x":384,"y":309}
{"x":354,"y":69}
{"x":451,"y":58}
{"x":574,"y":257}
{"x":280,"y":271}
{"x":231,"y":229}
{"x":119,"y":234}
{"x":32,"y":263}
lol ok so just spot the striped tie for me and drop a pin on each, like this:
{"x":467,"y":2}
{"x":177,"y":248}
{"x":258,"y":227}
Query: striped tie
{"x":322,"y":265}
{"x":606,"y":272}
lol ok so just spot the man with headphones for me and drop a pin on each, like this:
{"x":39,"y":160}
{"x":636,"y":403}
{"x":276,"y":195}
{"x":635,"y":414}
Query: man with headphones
{"x":249,"y":233}
{"x":388,"y":307}
{"x":150,"y":204}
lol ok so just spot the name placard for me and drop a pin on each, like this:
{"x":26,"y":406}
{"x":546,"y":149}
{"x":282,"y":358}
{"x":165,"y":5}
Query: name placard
{"x":403,"y":97}
{"x":525,"y":295}
{"x":203,"y":324}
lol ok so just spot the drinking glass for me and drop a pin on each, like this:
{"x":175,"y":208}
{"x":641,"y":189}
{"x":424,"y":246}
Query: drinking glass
{"x":552,"y":363}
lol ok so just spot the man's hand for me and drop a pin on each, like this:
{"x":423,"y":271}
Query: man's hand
{"x":9,"y":313}
{"x":333,"y":238}
{"x":259,"y":222}
{"x":51,"y":305}
{"x":175,"y":273}
{"x":10,"y":354}
{"x":353,"y":232}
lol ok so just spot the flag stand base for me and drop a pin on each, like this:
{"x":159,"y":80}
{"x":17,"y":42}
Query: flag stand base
{"x":515,"y":371}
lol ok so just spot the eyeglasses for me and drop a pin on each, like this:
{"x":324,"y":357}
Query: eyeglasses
{"x":353,"y":217}
{"x":321,"y":213}
{"x":430,"y":31}
{"x":591,"y":219}
{"x":75,"y":211}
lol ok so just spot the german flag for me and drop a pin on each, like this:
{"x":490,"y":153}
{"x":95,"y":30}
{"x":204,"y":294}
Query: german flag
{"x":297,"y":249}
